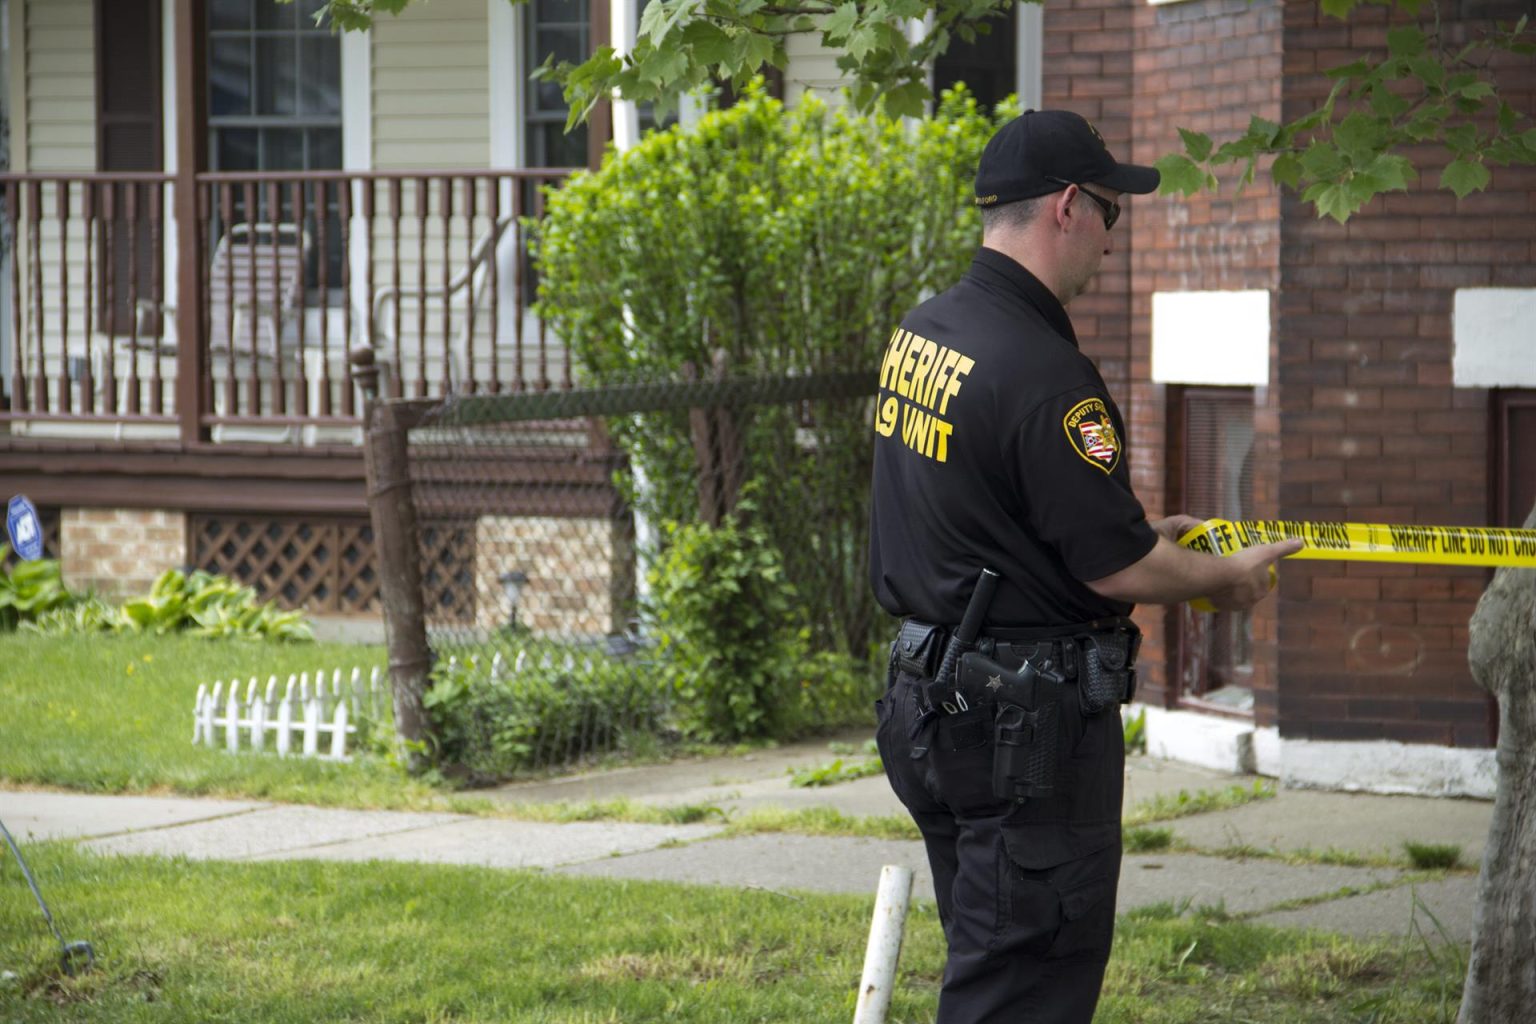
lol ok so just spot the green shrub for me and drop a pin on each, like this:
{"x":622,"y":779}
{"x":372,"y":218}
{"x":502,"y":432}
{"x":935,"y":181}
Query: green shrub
{"x":553,"y":711}
{"x":786,"y":240}
{"x":33,"y":598}
{"x":31,"y":589}
{"x":725,"y":617}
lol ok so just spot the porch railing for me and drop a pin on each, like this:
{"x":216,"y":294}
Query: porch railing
{"x":297,"y":269}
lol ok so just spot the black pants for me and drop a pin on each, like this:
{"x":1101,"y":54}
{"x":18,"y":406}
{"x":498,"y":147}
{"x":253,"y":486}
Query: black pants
{"x":1026,"y":892}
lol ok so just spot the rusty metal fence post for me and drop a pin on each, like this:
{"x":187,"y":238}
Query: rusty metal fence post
{"x":393,"y":512}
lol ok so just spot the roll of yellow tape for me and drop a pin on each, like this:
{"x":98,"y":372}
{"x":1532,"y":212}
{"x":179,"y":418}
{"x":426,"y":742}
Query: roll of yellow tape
{"x":1368,"y":542}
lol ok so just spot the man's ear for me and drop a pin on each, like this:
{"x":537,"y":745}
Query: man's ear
{"x":1061,"y":205}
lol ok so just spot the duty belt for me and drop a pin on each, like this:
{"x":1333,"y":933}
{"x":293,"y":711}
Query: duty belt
{"x":1099,"y":655}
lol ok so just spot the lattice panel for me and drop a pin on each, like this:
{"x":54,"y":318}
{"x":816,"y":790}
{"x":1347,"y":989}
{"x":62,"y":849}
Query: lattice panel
{"x":50,"y":519}
{"x":448,"y":571}
{"x":329,"y":564}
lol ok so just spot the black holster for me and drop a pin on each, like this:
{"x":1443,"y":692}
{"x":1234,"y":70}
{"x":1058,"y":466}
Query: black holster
{"x":1025,"y":726}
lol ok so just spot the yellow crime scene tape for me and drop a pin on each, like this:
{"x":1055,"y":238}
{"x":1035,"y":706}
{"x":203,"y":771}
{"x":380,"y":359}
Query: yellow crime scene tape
{"x":1368,"y":542}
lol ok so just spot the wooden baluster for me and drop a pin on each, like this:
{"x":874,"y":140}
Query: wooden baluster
{"x":397,"y":389}
{"x":519,"y":291}
{"x":543,"y":381}
{"x":422,"y":202}
{"x":156,"y":292}
{"x":275,"y":320}
{"x":131,"y":211}
{"x":470,"y":189}
{"x":445,"y":187}
{"x":61,"y":217}
{"x":493,"y":200}
{"x":301,"y":367}
{"x":18,"y":342}
{"x":344,"y":215}
{"x":87,"y":373}
{"x":35,"y":224}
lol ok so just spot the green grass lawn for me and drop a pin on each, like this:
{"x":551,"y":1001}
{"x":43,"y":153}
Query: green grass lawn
{"x":113,"y":714}
{"x":194,"y":942}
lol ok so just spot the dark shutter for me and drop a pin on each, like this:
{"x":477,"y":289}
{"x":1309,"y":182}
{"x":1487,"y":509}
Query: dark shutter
{"x":128,"y":138}
{"x":1514,"y":447}
{"x":1216,"y":448}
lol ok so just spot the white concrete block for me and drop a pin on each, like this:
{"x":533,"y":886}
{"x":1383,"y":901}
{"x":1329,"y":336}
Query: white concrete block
{"x":1494,"y":338}
{"x":1193,"y":738}
{"x":1211,"y":337}
{"x":1384,"y":766}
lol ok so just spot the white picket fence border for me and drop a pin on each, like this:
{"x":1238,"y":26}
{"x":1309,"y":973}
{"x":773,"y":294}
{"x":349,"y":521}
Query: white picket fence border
{"x":303,"y":711}
{"x":500,"y":670}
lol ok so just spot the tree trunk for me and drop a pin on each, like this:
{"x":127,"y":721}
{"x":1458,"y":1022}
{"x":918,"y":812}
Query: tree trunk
{"x":1501,"y":975}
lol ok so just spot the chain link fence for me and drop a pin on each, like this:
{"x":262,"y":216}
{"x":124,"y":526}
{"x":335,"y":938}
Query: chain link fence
{"x":607,"y":571}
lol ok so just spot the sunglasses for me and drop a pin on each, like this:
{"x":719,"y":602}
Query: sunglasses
{"x":1109,"y":207}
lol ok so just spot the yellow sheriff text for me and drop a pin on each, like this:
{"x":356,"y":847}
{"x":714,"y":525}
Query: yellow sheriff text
{"x":917,"y":380}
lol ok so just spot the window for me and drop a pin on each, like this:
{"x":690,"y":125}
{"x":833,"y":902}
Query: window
{"x":274,"y":87}
{"x":1514,"y":452}
{"x":274,"y":104}
{"x":988,"y":65}
{"x":1216,"y":649}
{"x":562,"y":29}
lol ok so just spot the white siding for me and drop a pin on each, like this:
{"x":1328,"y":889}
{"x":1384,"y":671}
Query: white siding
{"x":61,"y":85}
{"x":431,"y":87}
{"x":812,"y":68}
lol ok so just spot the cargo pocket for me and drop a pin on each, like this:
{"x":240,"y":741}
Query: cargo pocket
{"x":892,"y":741}
{"x":1063,"y":912}
{"x":962,"y":759}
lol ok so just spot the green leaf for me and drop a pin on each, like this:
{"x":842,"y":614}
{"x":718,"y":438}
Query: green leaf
{"x":1464,"y":176}
{"x":1405,"y":41}
{"x":1387,"y":103}
{"x":839,"y":23}
{"x":1330,"y":200}
{"x":1322,"y":162}
{"x":1266,"y":133}
{"x":710,"y":44}
{"x":1360,"y":135}
{"x":1339,"y":8}
{"x":1180,"y":175}
{"x":1196,"y":144}
{"x":909,"y":100}
{"x":1287,"y":170}
{"x":1357,"y":69}
{"x":1477,"y":90}
{"x":1391,"y":172}
{"x":1428,"y":70}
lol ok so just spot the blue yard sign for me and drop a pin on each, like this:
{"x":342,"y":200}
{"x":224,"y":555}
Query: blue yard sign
{"x":26,"y":532}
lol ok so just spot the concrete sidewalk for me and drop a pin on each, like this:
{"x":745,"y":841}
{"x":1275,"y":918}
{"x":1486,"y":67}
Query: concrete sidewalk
{"x":1311,"y":895}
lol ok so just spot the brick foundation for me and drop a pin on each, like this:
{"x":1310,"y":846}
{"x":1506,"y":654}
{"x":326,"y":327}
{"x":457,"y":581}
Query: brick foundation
{"x":119,"y":553}
{"x":574,"y":567}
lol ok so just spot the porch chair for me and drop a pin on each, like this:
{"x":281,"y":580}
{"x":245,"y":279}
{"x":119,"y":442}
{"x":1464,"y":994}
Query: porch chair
{"x":254,"y":283}
{"x":464,"y":293}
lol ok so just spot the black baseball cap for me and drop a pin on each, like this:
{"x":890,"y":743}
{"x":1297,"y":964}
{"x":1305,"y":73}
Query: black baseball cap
{"x":1038,"y":150}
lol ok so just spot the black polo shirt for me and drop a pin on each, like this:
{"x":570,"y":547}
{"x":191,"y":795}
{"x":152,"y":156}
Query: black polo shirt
{"x":997,"y":445}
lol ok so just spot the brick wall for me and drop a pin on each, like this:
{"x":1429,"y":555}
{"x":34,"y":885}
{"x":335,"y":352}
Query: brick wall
{"x":1208,"y":66}
{"x":1373,"y":429}
{"x":577,"y":570}
{"x":120,"y":552}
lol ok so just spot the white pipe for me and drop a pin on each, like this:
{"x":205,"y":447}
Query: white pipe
{"x":884,"y":948}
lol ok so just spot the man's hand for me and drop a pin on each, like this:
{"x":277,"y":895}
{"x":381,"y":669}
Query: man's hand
{"x":1174,"y":527}
{"x":1253,"y":575}
{"x":1169,"y":574}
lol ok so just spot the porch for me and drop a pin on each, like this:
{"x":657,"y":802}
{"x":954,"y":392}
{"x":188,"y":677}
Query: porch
{"x":143,"y":308}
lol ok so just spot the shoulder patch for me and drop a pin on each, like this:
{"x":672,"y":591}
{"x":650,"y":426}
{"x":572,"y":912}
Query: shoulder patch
{"x":1092,"y":435}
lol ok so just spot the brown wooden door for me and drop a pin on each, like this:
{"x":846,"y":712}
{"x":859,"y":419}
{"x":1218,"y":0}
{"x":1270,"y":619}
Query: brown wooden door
{"x":128,"y":138}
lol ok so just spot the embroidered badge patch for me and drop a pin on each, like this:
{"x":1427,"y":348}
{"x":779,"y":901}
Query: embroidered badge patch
{"x":1092,"y":433}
